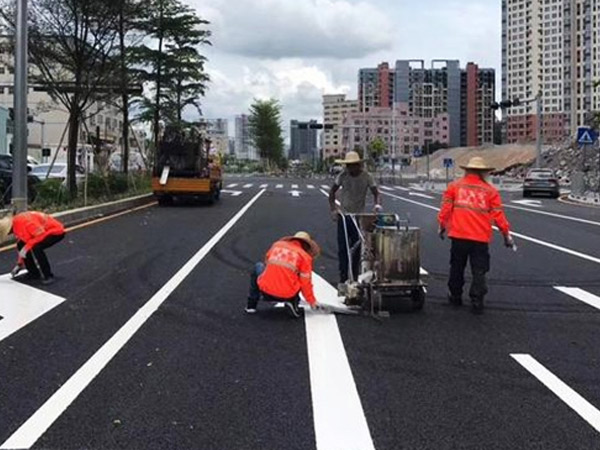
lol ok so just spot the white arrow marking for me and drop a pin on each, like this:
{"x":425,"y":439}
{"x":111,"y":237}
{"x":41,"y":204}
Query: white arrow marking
{"x":534,"y":203}
{"x":295,"y":193}
{"x":416,"y":194}
{"x":22,"y":304}
{"x":310,"y":186}
{"x":233,"y":193}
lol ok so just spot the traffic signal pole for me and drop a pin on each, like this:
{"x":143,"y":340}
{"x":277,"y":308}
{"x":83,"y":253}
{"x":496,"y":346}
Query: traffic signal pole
{"x":19,"y":182}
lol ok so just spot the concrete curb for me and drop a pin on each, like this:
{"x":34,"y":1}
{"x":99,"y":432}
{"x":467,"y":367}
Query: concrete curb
{"x":566,"y":199}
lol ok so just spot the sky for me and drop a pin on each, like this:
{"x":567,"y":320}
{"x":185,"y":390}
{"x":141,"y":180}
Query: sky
{"x":298,"y":50}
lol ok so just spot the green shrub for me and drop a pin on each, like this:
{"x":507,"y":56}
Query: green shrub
{"x":97,"y":186}
{"x":117,"y":183}
{"x":51,"y":192}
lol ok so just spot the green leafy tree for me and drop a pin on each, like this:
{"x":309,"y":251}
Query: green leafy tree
{"x":377,"y":148}
{"x":266,"y":132}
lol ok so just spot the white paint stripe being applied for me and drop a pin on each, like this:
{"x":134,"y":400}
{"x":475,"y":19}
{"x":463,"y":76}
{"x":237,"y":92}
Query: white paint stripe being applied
{"x":28,"y":433}
{"x":519,"y":235}
{"x":310,"y":186}
{"x":579,"y":404}
{"x":21,"y":304}
{"x":340,"y":422}
{"x":559,"y":216}
{"x":232,"y":185}
{"x":581,"y":295}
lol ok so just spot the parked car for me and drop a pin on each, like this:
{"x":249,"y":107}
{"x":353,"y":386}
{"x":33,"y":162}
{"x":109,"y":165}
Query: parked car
{"x":6,"y":168}
{"x":541,"y":181}
{"x":59,"y":171}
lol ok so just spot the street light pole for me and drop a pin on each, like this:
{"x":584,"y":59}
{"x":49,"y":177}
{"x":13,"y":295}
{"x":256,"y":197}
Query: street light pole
{"x":538,"y":141}
{"x":19,"y":185}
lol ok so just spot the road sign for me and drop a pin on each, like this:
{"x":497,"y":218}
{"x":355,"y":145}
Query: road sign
{"x":586,"y":136}
{"x":448,"y":163}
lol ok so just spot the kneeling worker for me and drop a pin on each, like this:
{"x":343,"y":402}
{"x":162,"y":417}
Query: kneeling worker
{"x":34,"y":232}
{"x":287,"y":271}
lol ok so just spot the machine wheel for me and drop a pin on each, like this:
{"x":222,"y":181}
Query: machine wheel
{"x":418,"y":299}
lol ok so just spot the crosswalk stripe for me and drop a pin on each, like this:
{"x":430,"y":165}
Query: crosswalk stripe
{"x":232,"y":185}
{"x":264,"y":186}
{"x":324,"y":186}
{"x":310,"y":186}
{"x":249,"y":185}
{"x":386,"y":188}
{"x":294,"y":186}
{"x":581,"y":295}
{"x":279,"y":186}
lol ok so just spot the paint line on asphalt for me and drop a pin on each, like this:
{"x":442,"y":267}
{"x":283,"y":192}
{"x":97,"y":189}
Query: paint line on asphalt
{"x":514,"y":233}
{"x":28,"y":433}
{"x":559,"y":216}
{"x":581,"y":295}
{"x":310,"y":186}
{"x":575,"y":401}
{"x":279,"y":186}
{"x":338,"y":415}
{"x":400,"y":188}
{"x":294,"y":186}
{"x":324,"y":186}
{"x":264,"y":186}
{"x":386,"y":188}
{"x":249,"y":185}
{"x":417,"y":194}
{"x":232,"y":185}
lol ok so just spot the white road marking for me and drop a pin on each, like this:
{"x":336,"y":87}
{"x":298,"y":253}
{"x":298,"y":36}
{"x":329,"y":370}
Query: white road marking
{"x":28,"y":433}
{"x":400,"y":188}
{"x":264,"y":186}
{"x":575,"y":401}
{"x":279,"y":186}
{"x":417,"y":187}
{"x":417,"y":194}
{"x":326,"y":194}
{"x":339,"y":419}
{"x":386,"y":188}
{"x":423,"y":272}
{"x":295,"y":193}
{"x":581,"y":295}
{"x":294,"y":186}
{"x":232,"y":185}
{"x":534,"y":203}
{"x":324,"y":186}
{"x":249,"y":185}
{"x":559,"y":216}
{"x":310,"y":186}
{"x":21,"y":304}
{"x":513,"y":233}
{"x":232,"y":193}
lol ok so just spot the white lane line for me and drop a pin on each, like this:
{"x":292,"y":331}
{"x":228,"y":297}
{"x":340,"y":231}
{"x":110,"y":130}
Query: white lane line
{"x":386,"y":188}
{"x":310,"y":186}
{"x":326,"y":194}
{"x":575,"y":401}
{"x":264,"y":186}
{"x":559,"y":216}
{"x":400,"y":188}
{"x":279,"y":186}
{"x":324,"y":186}
{"x":514,"y":233}
{"x":249,"y":185}
{"x":28,"y":433}
{"x":417,"y":187}
{"x":339,"y":419}
{"x":21,"y":304}
{"x":231,"y":185}
{"x":417,"y":194}
{"x":423,"y":272}
{"x":294,"y":186}
{"x":581,"y":295}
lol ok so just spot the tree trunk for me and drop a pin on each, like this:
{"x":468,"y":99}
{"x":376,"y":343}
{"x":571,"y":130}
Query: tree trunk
{"x":74,"y":120}
{"x":158,"y":78}
{"x":124,"y":93}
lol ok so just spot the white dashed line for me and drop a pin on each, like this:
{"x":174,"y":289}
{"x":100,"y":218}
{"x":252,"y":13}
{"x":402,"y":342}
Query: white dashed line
{"x":581,"y":295}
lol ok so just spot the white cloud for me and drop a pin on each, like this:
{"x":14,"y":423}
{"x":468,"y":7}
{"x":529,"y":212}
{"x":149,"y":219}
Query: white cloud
{"x":297,"y":28}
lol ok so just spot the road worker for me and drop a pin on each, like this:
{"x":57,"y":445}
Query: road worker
{"x":286,"y":272}
{"x":355,"y":182}
{"x":469,"y":208}
{"x":34,"y":232}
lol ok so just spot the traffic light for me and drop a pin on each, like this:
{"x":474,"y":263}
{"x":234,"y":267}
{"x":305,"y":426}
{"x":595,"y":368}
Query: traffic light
{"x":506,"y":104}
{"x":11,"y":115}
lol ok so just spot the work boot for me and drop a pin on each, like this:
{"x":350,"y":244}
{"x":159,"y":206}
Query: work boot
{"x":455,"y":300}
{"x":48,"y":281}
{"x":293,"y":308}
{"x":477,"y":305}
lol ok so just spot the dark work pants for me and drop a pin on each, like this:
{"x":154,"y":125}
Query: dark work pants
{"x":254,"y":293}
{"x":353,"y":239}
{"x":40,"y":263}
{"x":478,"y":254}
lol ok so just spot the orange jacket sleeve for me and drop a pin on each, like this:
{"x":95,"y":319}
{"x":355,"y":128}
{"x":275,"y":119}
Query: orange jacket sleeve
{"x":497,"y":212}
{"x":306,"y":285}
{"x":447,"y":206}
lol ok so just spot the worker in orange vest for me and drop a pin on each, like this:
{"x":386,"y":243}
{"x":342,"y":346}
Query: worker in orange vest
{"x":34,"y":232}
{"x":286,"y":272}
{"x":469,"y":207}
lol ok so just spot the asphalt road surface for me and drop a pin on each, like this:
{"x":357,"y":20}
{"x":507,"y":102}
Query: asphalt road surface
{"x":142,"y":343}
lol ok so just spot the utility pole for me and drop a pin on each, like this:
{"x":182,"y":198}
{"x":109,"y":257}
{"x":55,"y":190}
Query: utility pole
{"x":19,"y":185}
{"x":538,"y":140}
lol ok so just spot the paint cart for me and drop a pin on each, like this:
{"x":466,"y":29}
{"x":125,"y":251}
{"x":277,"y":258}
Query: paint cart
{"x":389,"y":277}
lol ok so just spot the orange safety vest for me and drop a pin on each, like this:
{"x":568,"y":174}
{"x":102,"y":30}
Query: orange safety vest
{"x":33,"y":227}
{"x":288,"y":271}
{"x":469,"y":208}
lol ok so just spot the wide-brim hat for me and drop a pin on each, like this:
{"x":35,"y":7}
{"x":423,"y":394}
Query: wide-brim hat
{"x":303,"y":236}
{"x":477,"y":163}
{"x":5,"y":226}
{"x":350,"y":158}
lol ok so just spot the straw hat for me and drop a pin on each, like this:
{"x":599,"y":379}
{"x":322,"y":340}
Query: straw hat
{"x":351,"y":158}
{"x":5,"y":226}
{"x":477,"y":163}
{"x":303,"y":236}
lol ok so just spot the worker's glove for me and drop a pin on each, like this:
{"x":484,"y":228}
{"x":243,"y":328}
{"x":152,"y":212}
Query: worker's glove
{"x":23,"y":253}
{"x":377,"y":208}
{"x":509,"y":242}
{"x":16,"y":270}
{"x":442,"y":233}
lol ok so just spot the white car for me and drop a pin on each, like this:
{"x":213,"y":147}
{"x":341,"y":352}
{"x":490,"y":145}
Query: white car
{"x":58,"y":171}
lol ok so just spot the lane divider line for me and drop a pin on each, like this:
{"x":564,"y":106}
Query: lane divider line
{"x":559,"y":216}
{"x":28,"y":433}
{"x":514,"y":233}
{"x":575,"y":401}
{"x":581,"y":295}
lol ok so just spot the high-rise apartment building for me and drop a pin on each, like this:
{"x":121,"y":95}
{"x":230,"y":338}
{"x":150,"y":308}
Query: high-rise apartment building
{"x":550,"y":47}
{"x":335,"y":109}
{"x":243,"y":144}
{"x":444,"y":88}
{"x":303,"y":142}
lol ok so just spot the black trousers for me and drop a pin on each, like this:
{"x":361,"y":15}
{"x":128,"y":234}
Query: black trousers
{"x":36,"y":259}
{"x":478,"y":254}
{"x":353,"y":239}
